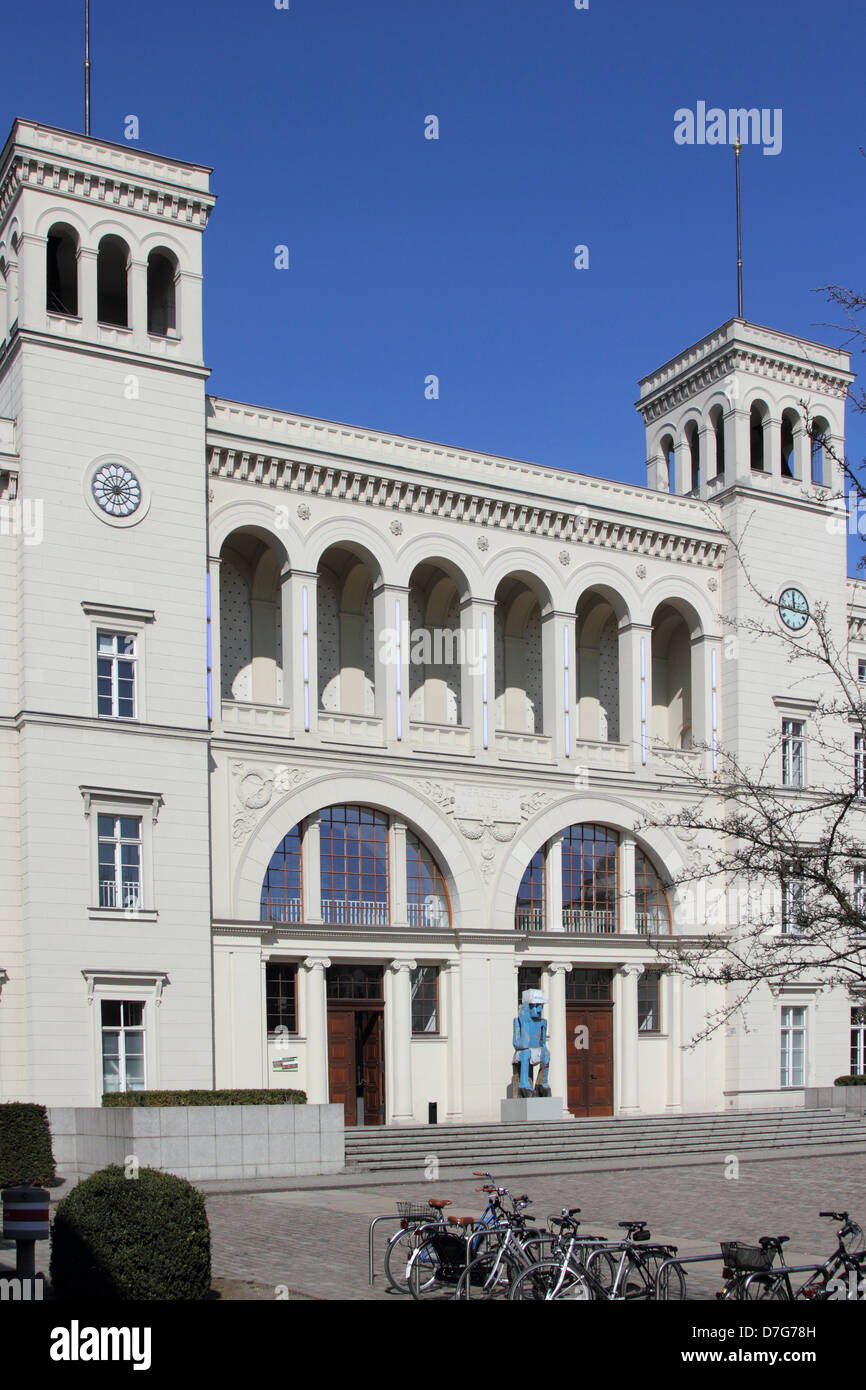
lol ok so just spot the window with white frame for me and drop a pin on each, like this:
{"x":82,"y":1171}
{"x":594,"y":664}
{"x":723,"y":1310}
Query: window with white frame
{"x":861,"y":668}
{"x":120,"y":861}
{"x":649,"y":1002}
{"x":793,"y":900}
{"x":858,"y":1040}
{"x":116,"y":675}
{"x":123,"y":1067}
{"x":793,"y":753}
{"x":860,"y":765}
{"x":860,"y":889}
{"x":425,"y":999}
{"x":793,"y":1045}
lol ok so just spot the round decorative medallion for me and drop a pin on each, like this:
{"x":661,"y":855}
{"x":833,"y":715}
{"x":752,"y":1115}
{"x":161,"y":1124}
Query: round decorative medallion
{"x":564,"y":557}
{"x":304,"y":512}
{"x":482,"y":543}
{"x":641,"y":571}
{"x":396,"y":527}
{"x":712,"y":585}
{"x":116,"y":489}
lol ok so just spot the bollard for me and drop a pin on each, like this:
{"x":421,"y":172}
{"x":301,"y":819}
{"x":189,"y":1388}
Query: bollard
{"x":25,"y":1220}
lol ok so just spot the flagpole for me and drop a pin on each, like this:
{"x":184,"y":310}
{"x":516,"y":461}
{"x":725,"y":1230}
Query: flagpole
{"x":86,"y":67}
{"x":739,"y":237}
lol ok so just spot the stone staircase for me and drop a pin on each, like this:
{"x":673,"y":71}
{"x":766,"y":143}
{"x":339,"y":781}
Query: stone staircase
{"x":602,"y":1143}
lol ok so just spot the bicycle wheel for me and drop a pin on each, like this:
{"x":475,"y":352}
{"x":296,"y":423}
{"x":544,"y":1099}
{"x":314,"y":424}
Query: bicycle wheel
{"x":547,"y":1282}
{"x":766,"y":1286}
{"x":429,"y":1274}
{"x":397,"y":1256}
{"x":489,"y":1276}
{"x":602,"y":1266}
{"x":671,"y":1286}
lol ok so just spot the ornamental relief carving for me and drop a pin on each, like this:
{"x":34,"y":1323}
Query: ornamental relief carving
{"x":254,"y":788}
{"x":489,"y":819}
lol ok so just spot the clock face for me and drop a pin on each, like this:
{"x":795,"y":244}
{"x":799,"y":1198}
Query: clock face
{"x":794,"y":609}
{"x":116,"y":489}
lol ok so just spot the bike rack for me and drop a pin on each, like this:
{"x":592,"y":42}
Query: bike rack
{"x":683,"y":1260}
{"x":388,"y":1216}
{"x":780,"y":1269}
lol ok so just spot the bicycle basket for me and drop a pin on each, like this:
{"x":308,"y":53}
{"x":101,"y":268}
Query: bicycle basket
{"x":411,"y":1211}
{"x":746,"y":1257}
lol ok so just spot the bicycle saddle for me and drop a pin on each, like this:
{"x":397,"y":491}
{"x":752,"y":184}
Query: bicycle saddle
{"x":637,"y":1230}
{"x":439,"y":1202}
{"x":773,"y":1240}
{"x":461,"y":1220}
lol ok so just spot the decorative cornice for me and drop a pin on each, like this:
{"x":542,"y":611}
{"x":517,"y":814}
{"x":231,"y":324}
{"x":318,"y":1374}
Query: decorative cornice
{"x":76,"y":168}
{"x":469,"y":507}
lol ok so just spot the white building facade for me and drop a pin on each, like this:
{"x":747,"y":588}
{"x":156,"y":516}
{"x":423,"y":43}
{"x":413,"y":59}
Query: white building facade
{"x":318,"y":744}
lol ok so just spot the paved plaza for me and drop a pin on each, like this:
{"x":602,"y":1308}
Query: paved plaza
{"x":314,"y":1242}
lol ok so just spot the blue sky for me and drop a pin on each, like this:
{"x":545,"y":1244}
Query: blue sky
{"x":454,"y":257}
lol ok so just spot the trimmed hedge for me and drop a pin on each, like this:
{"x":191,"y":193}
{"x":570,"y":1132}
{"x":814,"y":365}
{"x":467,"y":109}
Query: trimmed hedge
{"x":25,"y":1144}
{"x":118,"y":1238}
{"x":148,"y":1098}
{"x":850,"y":1081}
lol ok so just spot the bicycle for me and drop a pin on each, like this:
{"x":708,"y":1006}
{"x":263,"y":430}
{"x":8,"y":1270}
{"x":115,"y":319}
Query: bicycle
{"x":747,"y":1268}
{"x":514,"y":1246}
{"x":588,"y":1271}
{"x":442,"y":1258}
{"x":851,"y":1258}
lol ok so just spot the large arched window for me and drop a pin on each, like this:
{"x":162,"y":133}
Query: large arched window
{"x":529,"y":911}
{"x":427,"y":896}
{"x":355,"y":883}
{"x":354,"y":861}
{"x":282,"y":887}
{"x":589,"y":880}
{"x":652,"y":908}
{"x":596,"y":890}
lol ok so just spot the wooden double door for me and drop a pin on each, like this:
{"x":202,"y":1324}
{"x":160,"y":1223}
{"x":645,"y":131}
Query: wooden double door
{"x":589,"y":1029}
{"x":356,"y":1060}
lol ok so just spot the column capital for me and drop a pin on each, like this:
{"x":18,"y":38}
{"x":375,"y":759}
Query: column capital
{"x":310,"y":576}
{"x":629,"y":969}
{"x":316,"y":962}
{"x":558,"y":967}
{"x":399,"y":965}
{"x":477,"y":601}
{"x":385,"y":586}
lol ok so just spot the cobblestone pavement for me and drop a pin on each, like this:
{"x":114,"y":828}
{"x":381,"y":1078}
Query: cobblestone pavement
{"x":315,"y":1242}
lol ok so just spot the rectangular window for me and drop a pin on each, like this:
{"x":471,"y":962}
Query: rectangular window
{"x":588,"y":986}
{"x":858,"y":1041}
{"x":425,"y":999}
{"x":115,"y":675}
{"x":793,"y":753}
{"x":793,"y":901}
{"x":120,"y":861}
{"x":860,"y":765}
{"x":649,"y":1002}
{"x":281,"y":995}
{"x":122,"y":1045}
{"x":793,"y":1046}
{"x":860,"y":889}
{"x":861,"y":668}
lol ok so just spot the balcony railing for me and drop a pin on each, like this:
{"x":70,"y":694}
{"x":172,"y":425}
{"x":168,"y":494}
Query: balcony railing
{"x":433,"y":912}
{"x":245,"y":717}
{"x":589,"y":921}
{"x":338,"y":912}
{"x":530,"y":919}
{"x":290,"y":910}
{"x":125,"y":895}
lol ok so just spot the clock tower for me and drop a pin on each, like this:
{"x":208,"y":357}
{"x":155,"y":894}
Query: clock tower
{"x":750,"y":422}
{"x":103,"y":710}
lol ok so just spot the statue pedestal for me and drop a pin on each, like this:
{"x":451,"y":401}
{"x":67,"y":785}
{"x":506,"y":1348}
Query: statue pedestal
{"x":531,"y":1109}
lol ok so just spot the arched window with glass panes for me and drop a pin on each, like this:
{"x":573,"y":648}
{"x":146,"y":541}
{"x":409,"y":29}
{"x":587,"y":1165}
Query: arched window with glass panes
{"x":609,"y":885}
{"x":356,"y":885}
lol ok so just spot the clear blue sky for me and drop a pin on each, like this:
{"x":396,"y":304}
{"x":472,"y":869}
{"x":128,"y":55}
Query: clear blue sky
{"x":454,"y":257}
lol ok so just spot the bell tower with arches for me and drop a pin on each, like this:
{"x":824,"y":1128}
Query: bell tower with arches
{"x":103,"y":700}
{"x":750,"y":422}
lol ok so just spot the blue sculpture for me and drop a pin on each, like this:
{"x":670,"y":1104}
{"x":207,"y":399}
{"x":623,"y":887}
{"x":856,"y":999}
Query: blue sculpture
{"x":530,"y":1046}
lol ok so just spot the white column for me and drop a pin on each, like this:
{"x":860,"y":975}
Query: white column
{"x":773,"y":446}
{"x":397,"y":873}
{"x":553,"y":885}
{"x":626,"y":1008}
{"x":311,"y":872}
{"x":738,"y":463}
{"x":137,"y":291}
{"x":557,"y":646}
{"x":87,"y":291}
{"x":401,"y":1040}
{"x":557,"y":1039}
{"x":673,"y":1026}
{"x":454,"y":1027}
{"x":635,"y":691}
{"x":702,"y":647}
{"x":391,"y":615}
{"x":627,"y":905}
{"x":298,"y":594}
{"x":478,"y":679}
{"x":682,"y":468}
{"x":316,"y":1029}
{"x":216,"y":675}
